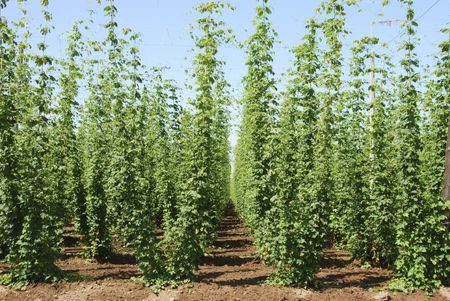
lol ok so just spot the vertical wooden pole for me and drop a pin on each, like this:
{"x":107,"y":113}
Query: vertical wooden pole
{"x":446,"y":188}
{"x":371,"y":99}
{"x":372,"y":78}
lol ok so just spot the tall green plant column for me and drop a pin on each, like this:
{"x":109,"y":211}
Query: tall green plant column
{"x":64,"y":179}
{"x":435,"y":233}
{"x":121,"y":185}
{"x":369,"y":210}
{"x":9,"y":114}
{"x":332,"y":124}
{"x":381,"y":210}
{"x":161,"y":108}
{"x":105,"y":100}
{"x":437,"y":106}
{"x":221,"y":168}
{"x":352,"y":158}
{"x":34,"y":250}
{"x":350,"y":166}
{"x":94,"y":133}
{"x":290,"y":247}
{"x":323,"y":183}
{"x":138,"y":215}
{"x":254,"y":174}
{"x":317,"y":195}
{"x":187,"y":239}
{"x":420,"y":233}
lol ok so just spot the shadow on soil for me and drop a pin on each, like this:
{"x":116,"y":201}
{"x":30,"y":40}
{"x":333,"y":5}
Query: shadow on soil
{"x":362,"y":281}
{"x":332,"y":261}
{"x":231,"y":260}
{"x":344,"y":273}
{"x":212,"y":278}
{"x":232,"y":244}
{"x":245,"y":281}
{"x":233,"y":255}
{"x":117,"y":258}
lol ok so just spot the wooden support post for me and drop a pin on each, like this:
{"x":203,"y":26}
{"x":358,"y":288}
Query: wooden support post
{"x":446,"y":186}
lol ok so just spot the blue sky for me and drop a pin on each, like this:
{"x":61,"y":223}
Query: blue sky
{"x":164,"y":25}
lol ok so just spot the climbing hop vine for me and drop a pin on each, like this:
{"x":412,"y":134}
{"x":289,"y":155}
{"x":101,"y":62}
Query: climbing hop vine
{"x":254,"y":169}
{"x":290,"y":251}
{"x":205,"y":165}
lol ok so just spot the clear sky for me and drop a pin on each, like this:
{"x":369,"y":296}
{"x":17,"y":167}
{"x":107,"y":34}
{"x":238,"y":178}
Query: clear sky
{"x":164,"y":25}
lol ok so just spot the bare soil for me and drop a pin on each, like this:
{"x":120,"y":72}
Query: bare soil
{"x":229,"y":271}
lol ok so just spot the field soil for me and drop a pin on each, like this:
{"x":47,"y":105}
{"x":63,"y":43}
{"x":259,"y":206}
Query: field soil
{"x":229,"y":271}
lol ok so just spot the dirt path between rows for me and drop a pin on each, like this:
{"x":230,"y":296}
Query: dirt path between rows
{"x":229,"y":271}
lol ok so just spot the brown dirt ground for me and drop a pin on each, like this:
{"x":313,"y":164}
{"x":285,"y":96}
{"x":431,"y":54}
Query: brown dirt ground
{"x":228,"y":272}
